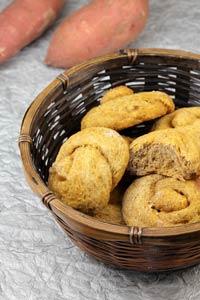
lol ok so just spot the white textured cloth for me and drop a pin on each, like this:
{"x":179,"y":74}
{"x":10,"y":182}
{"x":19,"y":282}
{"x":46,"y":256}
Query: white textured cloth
{"x":37,"y":261}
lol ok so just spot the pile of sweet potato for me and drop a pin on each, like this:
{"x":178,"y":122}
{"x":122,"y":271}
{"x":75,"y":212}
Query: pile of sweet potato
{"x":101,"y":27}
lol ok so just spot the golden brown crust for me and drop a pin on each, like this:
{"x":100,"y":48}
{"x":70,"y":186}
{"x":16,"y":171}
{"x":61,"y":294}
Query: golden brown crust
{"x":116,"y":92}
{"x":158,"y":201}
{"x":88,"y":166}
{"x":169,"y":152}
{"x":178,"y":118}
{"x":127,"y":111}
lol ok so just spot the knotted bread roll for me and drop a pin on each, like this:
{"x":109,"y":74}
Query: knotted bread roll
{"x":178,"y":118}
{"x":170,"y":152}
{"x":87,"y":168}
{"x":158,"y":201}
{"x":128,"y":110}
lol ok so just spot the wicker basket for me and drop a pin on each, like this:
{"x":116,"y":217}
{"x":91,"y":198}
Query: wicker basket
{"x":55,"y":115}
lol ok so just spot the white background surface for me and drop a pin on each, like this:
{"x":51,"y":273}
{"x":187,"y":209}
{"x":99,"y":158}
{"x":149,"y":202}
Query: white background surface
{"x":37,"y":261}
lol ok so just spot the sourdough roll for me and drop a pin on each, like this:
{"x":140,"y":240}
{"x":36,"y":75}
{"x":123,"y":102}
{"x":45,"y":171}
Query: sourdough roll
{"x":170,"y":152}
{"x":178,"y":118}
{"x":159,"y":201}
{"x":128,"y":110}
{"x":87,"y":168}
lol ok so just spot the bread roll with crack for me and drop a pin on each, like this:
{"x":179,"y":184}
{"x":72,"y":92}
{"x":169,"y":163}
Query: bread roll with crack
{"x":87,"y":168}
{"x":170,"y":152}
{"x":179,"y":118}
{"x":129,"y":110}
{"x":158,"y":201}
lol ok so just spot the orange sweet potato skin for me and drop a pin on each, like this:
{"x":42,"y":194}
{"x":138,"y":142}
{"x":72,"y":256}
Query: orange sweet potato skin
{"x":23,"y":21}
{"x":101,"y":27}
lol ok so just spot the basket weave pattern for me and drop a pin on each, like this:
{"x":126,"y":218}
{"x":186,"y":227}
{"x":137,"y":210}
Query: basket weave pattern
{"x":55,"y":115}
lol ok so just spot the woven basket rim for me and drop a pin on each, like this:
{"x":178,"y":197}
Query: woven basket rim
{"x":69,"y":214}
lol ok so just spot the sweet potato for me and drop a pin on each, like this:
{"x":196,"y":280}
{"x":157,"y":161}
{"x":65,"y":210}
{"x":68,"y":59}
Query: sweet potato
{"x":23,"y":21}
{"x":100,"y":27}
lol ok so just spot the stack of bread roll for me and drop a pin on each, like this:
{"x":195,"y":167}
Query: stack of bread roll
{"x":148,"y":181}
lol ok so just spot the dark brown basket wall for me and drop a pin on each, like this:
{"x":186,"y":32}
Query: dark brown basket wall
{"x":55,"y":115}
